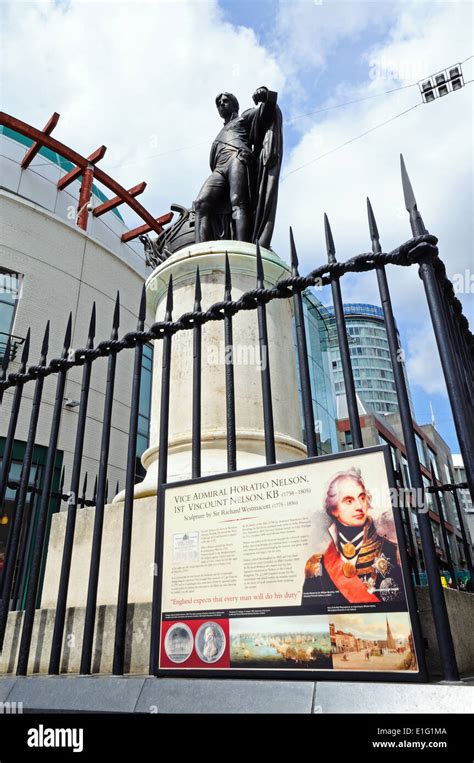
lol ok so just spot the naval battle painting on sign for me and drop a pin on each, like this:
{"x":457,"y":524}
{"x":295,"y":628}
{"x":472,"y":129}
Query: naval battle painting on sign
{"x":294,"y":568}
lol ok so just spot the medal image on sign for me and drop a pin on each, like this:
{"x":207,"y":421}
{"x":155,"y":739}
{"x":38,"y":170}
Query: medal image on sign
{"x":210,"y":642}
{"x":348,"y":550}
{"x":382,"y":565}
{"x":179,"y":643}
{"x":349,"y":569}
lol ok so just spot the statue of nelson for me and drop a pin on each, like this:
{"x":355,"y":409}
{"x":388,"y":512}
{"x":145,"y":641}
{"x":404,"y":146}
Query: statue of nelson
{"x":238,"y":200}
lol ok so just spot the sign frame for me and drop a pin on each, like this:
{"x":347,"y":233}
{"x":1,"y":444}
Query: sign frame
{"x":419,"y":676}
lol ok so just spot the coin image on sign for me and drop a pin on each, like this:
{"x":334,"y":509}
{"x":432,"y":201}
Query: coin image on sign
{"x":179,"y":642}
{"x":210,"y":642}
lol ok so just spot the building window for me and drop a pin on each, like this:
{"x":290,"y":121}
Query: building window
{"x":9,"y":295}
{"x":405,"y":472}
{"x":144,"y":410}
{"x":421,"y":450}
{"x":436,"y":534}
{"x":429,"y":497}
{"x":434,"y":465}
{"x":393,"y":454}
{"x":30,"y":517}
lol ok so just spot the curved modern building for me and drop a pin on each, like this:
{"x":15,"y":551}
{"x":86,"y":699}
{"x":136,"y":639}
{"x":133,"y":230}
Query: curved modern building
{"x":370,"y":356}
{"x":50,"y":267}
{"x":318,"y":324}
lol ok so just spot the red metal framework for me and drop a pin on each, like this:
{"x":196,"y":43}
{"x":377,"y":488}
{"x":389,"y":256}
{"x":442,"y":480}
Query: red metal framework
{"x":87,"y":167}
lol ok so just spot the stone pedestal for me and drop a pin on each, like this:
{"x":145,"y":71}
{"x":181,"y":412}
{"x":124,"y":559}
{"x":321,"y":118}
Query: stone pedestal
{"x":248,"y":409}
{"x":210,"y":257}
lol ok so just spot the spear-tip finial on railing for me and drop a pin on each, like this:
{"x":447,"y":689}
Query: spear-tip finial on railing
{"x":416,"y":221}
{"x":330,"y":248}
{"x":169,"y":300}
{"x":293,"y":254}
{"x":91,"y":332}
{"x":197,"y":291}
{"x":260,"y":274}
{"x":374,"y":233}
{"x":410,"y":201}
{"x":25,"y":352}
{"x":67,"y":337}
{"x":116,"y":318}
{"x":45,"y":345}
{"x":142,"y":309}
{"x":227,"y":280}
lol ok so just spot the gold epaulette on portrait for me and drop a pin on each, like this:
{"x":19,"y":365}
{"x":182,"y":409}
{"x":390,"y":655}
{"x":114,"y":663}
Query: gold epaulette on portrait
{"x":313,"y":566}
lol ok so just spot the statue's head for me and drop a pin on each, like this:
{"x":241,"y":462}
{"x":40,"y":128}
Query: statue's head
{"x":347,"y":498}
{"x":227,"y":104}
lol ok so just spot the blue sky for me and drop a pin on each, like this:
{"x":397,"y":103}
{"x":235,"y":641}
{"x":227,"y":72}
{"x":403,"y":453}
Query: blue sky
{"x":146,"y":89}
{"x":345,"y":66}
{"x":344,"y":63}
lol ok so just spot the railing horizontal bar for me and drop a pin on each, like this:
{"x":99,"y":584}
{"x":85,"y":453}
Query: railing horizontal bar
{"x":249,"y":301}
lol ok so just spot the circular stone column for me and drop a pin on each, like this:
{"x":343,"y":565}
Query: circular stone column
{"x":250,"y":444}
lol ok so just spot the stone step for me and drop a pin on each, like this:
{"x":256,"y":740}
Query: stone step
{"x":144,"y":694}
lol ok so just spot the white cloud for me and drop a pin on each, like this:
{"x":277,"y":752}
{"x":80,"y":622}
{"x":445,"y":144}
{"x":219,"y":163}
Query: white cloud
{"x":423,"y":364}
{"x":307,"y":31}
{"x":140,"y":77}
{"x":436,"y":140}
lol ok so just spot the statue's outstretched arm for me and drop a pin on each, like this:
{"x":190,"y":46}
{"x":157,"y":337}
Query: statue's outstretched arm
{"x":264,"y":95}
{"x":269,"y":99}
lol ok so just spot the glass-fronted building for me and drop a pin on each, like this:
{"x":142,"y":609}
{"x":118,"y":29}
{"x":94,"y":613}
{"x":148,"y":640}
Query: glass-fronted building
{"x":144,"y":410}
{"x":318,"y":326}
{"x":459,"y":474}
{"x":10,"y":284}
{"x":370,"y":356}
{"x":48,"y":267}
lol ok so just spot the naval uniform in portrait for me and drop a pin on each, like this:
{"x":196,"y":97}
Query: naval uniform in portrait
{"x":358,"y":566}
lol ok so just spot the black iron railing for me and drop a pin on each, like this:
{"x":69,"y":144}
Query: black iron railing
{"x":456,"y":348}
{"x":9,"y":344}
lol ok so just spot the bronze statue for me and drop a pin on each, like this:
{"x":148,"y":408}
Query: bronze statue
{"x":238,"y":200}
